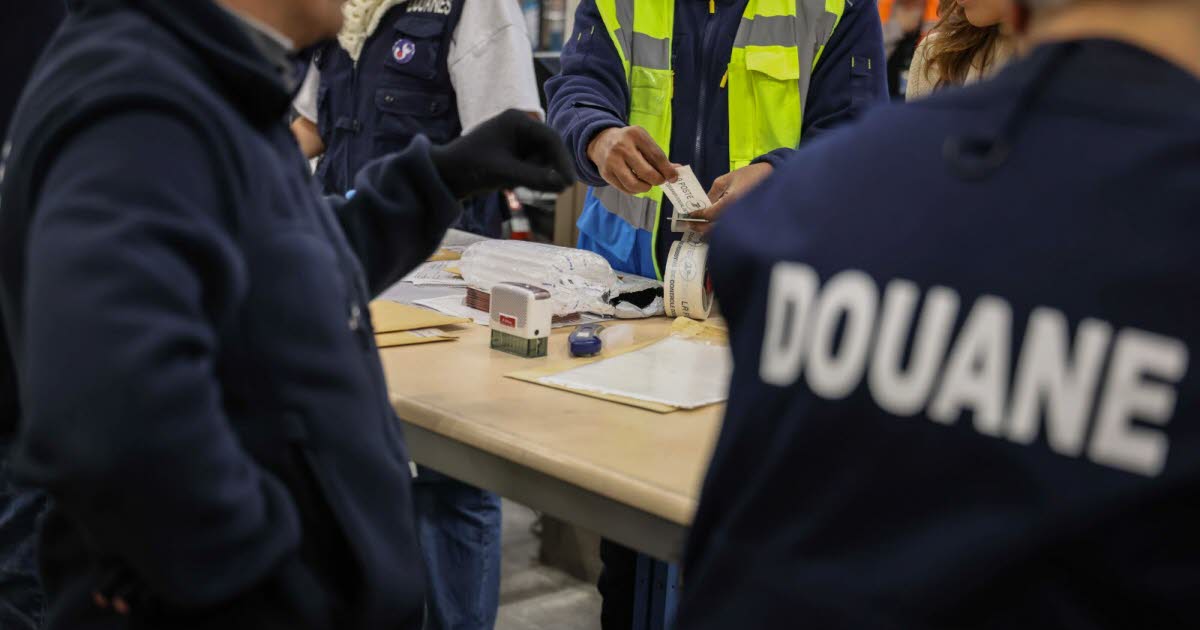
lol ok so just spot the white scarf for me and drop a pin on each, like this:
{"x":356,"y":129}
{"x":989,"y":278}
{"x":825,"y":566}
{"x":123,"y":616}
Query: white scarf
{"x":362,"y":17}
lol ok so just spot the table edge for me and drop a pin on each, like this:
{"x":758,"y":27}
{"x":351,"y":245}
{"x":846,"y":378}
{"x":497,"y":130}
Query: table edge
{"x":647,"y":497}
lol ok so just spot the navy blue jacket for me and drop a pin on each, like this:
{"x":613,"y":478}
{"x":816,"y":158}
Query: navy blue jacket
{"x":591,"y":93}
{"x":25,"y":33}
{"x":204,"y":398}
{"x":399,"y":89}
{"x":1037,"y":230}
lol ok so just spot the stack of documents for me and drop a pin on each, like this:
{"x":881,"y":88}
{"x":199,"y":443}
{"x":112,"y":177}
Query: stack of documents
{"x":403,"y":325}
{"x":437,"y":272}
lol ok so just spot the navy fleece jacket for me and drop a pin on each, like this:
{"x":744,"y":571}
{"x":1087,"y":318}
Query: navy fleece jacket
{"x":203,"y":395}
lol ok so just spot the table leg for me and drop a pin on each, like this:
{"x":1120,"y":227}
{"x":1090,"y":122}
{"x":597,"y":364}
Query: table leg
{"x":657,"y":594}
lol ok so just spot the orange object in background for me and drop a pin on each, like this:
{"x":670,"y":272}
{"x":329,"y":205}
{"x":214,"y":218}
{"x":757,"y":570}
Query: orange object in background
{"x":931,"y":10}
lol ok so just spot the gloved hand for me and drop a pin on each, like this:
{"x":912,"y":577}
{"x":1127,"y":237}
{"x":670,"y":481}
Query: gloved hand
{"x":507,"y":151}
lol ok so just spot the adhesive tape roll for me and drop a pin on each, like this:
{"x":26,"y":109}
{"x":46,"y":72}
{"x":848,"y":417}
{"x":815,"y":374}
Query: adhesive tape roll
{"x":686,"y":287}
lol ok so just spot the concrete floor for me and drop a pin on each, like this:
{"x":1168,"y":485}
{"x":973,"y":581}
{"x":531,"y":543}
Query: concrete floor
{"x":534,"y":596}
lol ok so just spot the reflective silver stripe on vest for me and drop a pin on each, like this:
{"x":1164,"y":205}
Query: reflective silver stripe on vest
{"x":625,"y":31}
{"x":623,"y":41}
{"x":817,"y":24}
{"x":650,"y":52}
{"x":769,"y":30}
{"x":636,"y":211}
{"x":826,"y":22}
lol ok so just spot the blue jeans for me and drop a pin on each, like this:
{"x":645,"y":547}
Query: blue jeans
{"x":22,"y":602}
{"x":459,"y":530}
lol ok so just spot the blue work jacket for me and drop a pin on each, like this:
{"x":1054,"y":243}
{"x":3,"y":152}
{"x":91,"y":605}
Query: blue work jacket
{"x":591,"y":94}
{"x":202,"y":394}
{"x":965,"y":394}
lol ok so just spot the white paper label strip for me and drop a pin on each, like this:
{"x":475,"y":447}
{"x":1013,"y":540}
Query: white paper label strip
{"x":687,"y":196}
{"x":685,"y":283}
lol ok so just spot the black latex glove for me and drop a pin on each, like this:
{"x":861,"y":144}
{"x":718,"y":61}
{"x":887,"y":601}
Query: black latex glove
{"x":507,"y":151}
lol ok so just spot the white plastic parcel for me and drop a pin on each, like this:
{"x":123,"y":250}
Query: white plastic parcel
{"x":579,"y":281}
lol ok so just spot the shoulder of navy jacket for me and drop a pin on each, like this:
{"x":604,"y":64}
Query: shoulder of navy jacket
{"x":1095,"y":390}
{"x":975,"y":157}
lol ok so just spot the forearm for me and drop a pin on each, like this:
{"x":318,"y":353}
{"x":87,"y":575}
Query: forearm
{"x":591,"y":93}
{"x":398,"y":214}
{"x":775,"y":158}
{"x":308,"y":137}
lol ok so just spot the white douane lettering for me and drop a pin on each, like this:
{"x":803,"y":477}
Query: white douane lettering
{"x":835,"y":334}
{"x":1128,"y":395}
{"x":976,"y":374}
{"x":1049,"y":385}
{"x":850,"y":296}
{"x":905,"y":392}
{"x":789,"y":301}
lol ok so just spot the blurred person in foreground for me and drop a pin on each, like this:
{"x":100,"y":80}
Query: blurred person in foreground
{"x":976,"y":410}
{"x":203,"y":397}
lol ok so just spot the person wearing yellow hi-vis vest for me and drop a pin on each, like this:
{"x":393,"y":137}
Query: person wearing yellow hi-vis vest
{"x":729,"y":87}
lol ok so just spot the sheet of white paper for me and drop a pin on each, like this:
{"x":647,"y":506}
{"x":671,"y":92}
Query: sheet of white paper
{"x":453,"y":305}
{"x":408,"y":293}
{"x":458,"y":240}
{"x":428,"y":332}
{"x":683,"y":373}
{"x":435,"y":273}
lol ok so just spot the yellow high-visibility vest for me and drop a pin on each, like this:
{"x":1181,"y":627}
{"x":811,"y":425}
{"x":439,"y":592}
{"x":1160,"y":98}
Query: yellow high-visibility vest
{"x":777,"y":46}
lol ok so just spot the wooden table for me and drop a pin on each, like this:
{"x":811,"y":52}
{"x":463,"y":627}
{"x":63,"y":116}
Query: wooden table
{"x":630,"y":475}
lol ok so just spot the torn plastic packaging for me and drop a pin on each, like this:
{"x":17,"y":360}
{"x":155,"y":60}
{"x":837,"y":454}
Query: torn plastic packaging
{"x":579,"y":281}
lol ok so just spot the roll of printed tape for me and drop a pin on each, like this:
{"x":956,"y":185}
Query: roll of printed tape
{"x":687,"y":291}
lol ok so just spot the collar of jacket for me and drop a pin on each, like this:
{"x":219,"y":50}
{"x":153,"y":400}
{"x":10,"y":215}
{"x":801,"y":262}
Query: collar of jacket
{"x":247,"y":79}
{"x":276,"y":48}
